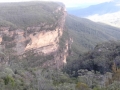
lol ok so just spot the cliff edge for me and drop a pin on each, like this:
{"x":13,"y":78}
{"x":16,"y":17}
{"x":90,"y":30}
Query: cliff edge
{"x":36,"y":27}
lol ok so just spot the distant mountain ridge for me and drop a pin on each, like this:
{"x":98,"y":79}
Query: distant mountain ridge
{"x":102,"y":8}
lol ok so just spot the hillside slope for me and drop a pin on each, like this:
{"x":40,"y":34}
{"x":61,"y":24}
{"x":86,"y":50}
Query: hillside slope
{"x":32,"y":44}
{"x":86,"y":34}
{"x":35,"y":41}
{"x":32,"y":26}
{"x":100,"y":65}
{"x":29,"y":14}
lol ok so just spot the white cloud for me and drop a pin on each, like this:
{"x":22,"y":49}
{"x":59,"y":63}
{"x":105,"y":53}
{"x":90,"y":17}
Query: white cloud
{"x":117,"y":4}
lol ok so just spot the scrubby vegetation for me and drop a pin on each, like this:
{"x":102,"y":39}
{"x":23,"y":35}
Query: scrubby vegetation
{"x":100,"y":59}
{"x":87,"y":34}
{"x":26,"y":14}
{"x":87,"y":68}
{"x":97,"y":63}
{"x":95,"y":70}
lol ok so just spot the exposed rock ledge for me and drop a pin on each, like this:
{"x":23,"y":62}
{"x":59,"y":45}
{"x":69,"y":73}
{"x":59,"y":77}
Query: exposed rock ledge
{"x":47,"y":40}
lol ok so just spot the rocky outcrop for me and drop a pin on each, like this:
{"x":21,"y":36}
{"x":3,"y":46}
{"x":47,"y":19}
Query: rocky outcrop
{"x":43,"y":38}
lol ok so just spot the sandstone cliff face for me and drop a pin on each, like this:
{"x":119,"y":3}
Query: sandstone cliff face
{"x":47,"y":41}
{"x":43,"y":38}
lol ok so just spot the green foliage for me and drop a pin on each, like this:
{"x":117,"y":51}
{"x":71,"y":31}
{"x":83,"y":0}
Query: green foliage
{"x":97,"y":88}
{"x":7,"y":38}
{"x":17,"y":73}
{"x":63,"y":39}
{"x":100,"y":59}
{"x":26,"y":72}
{"x":87,"y":34}
{"x":28,"y":14}
{"x":113,"y":86}
{"x":10,"y":45}
{"x":81,"y":86}
{"x":116,"y":76}
{"x":8,"y":80}
{"x":33,"y":59}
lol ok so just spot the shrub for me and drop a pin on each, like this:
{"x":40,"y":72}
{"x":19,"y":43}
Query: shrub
{"x":9,"y":80}
{"x":81,"y":86}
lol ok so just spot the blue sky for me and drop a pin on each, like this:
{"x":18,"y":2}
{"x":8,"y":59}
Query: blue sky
{"x":68,"y":3}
